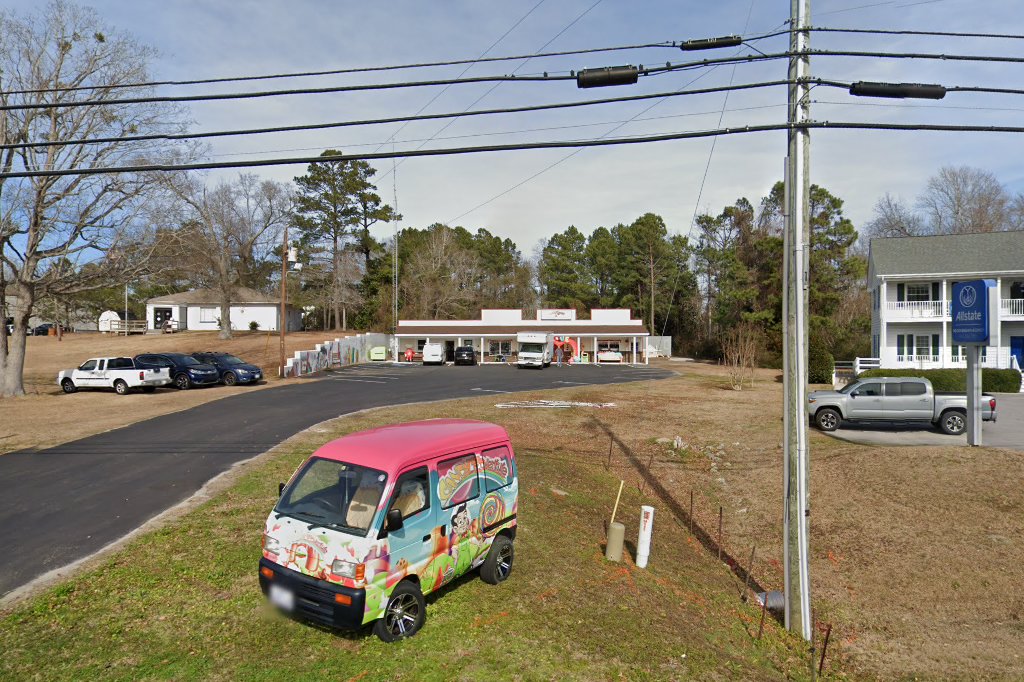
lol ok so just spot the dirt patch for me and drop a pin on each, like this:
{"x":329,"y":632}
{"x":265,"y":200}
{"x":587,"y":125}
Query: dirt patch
{"x":46,"y":417}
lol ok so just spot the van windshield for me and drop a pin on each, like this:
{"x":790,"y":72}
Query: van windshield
{"x":335,"y":495}
{"x":531,"y":348}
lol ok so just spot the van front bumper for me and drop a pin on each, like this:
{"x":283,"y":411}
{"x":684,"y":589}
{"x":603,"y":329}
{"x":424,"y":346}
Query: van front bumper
{"x":314,"y":599}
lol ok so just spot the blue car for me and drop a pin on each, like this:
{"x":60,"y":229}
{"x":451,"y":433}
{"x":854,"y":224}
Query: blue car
{"x":185,"y":370}
{"x":232,"y":370}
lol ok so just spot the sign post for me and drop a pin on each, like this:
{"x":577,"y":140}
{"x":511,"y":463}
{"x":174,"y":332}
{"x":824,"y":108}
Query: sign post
{"x":971,"y":328}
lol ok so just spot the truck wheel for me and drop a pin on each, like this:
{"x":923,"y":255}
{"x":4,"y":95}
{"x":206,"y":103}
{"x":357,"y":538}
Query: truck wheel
{"x":953,"y":422}
{"x":182,"y":382}
{"x":69,"y":386}
{"x":827,"y":419}
{"x":120,"y":387}
{"x":404,"y":615}
{"x":230,"y":379}
{"x":498,"y":564}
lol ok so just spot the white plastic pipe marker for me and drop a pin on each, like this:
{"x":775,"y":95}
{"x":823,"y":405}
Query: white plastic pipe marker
{"x":643,"y":543}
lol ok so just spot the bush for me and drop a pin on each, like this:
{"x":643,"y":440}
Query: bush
{"x":820,"y":365}
{"x":254,"y":326}
{"x":992,"y":380}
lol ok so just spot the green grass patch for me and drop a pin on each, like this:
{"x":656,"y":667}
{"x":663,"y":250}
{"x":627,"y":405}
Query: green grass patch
{"x":183,"y":602}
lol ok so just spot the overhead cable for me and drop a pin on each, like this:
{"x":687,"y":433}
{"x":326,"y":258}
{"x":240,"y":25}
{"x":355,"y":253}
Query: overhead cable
{"x":393,"y":119}
{"x":453,"y":151}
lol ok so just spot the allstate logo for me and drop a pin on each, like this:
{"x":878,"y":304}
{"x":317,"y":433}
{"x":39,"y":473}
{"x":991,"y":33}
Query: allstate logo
{"x":968,"y":296}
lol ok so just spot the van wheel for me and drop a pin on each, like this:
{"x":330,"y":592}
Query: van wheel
{"x":69,"y":386}
{"x":498,"y":564}
{"x":404,"y":615}
{"x":120,"y":387}
{"x":827,"y":419}
{"x":953,"y":422}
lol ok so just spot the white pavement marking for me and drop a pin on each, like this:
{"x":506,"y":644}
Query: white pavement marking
{"x":488,"y":390}
{"x":361,"y":381}
{"x":578,"y":383}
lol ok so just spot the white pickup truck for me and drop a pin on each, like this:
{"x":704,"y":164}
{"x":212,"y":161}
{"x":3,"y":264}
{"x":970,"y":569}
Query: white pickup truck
{"x":120,"y":374}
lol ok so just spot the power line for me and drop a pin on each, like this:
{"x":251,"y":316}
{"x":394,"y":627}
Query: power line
{"x":950,"y":88}
{"x":369,"y":87}
{"x":601,"y":142}
{"x":394,"y":119}
{"x":670,"y":44}
{"x":905,"y":32}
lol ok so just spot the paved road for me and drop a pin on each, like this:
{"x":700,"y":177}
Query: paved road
{"x":64,"y":503}
{"x":1007,"y":432}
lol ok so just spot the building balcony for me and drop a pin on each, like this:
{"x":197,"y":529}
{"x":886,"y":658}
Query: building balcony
{"x":916,"y":310}
{"x":1011,"y":308}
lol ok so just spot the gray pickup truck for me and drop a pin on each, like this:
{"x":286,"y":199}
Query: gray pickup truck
{"x":895,"y":399}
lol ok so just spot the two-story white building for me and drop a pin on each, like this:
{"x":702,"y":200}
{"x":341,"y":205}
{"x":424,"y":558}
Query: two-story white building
{"x":911,"y":280}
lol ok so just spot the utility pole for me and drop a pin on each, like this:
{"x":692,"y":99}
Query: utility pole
{"x":283,"y":321}
{"x":394,"y":258}
{"x":796,"y":277}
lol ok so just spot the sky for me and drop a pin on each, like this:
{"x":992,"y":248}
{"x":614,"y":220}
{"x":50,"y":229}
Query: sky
{"x":529,"y":195}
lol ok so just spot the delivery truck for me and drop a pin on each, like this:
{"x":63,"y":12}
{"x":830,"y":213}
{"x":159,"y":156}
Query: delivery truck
{"x":535,"y":349}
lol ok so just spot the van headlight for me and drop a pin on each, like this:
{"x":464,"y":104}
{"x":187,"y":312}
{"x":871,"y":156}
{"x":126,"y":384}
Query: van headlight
{"x":348,"y":569}
{"x":271,"y":545}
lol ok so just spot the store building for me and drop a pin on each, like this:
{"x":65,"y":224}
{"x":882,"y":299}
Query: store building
{"x":610,"y":335}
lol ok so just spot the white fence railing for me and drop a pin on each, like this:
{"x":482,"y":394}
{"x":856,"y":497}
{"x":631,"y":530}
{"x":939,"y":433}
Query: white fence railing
{"x":1012,"y":306}
{"x":917,"y":308}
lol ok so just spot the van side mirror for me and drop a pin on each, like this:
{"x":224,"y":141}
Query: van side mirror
{"x":394,"y":520}
{"x":280,"y":489}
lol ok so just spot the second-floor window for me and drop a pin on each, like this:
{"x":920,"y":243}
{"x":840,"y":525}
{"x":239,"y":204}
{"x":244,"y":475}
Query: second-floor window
{"x":918,"y":292}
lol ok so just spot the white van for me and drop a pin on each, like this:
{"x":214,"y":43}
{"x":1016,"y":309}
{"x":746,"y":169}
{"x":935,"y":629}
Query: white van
{"x":372,"y":522}
{"x":433,"y":353}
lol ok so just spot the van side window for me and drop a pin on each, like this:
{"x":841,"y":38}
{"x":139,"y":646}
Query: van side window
{"x":457,"y":480}
{"x":497,"y":468}
{"x":410,"y":496}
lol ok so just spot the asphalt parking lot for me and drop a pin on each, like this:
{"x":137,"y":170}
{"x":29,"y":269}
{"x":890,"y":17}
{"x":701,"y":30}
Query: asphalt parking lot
{"x":1006,"y":432}
{"x":65,"y":503}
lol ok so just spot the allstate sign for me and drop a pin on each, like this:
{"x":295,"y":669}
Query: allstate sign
{"x":971,"y":311}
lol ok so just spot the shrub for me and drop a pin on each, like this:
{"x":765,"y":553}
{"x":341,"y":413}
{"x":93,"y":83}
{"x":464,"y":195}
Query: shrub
{"x":992,"y":380}
{"x":820,"y":365}
{"x":254,"y":325}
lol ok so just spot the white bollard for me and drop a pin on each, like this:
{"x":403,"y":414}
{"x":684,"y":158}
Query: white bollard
{"x":643,"y":543}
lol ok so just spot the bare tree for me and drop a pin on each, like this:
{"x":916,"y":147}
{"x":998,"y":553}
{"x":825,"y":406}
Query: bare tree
{"x":740,"y":346}
{"x":52,"y":227}
{"x":440,"y":279}
{"x":962,"y":200}
{"x":893,"y":218}
{"x":230,"y":229}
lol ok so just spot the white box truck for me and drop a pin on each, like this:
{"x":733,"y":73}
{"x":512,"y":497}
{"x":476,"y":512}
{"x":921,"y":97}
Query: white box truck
{"x":535,"y":349}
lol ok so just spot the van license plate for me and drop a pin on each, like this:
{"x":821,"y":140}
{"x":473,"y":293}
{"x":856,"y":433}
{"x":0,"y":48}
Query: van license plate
{"x":282,"y":598}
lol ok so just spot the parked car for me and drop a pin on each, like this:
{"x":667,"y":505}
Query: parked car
{"x":231,"y":370}
{"x":894,"y":399}
{"x":40,"y":330}
{"x":372,"y":522}
{"x":120,"y":374}
{"x":465,"y":355}
{"x":185,"y":370}
{"x":433,"y":353}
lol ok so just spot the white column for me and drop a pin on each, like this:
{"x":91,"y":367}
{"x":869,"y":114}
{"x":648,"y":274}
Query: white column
{"x":883,"y":332}
{"x":579,"y":348}
{"x":633,"y":348}
{"x":997,"y":313}
{"x":481,"y":350}
{"x":595,"y":350}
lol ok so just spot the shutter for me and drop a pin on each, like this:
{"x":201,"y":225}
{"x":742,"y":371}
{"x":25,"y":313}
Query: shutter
{"x":901,"y":292}
{"x":935,"y":345}
{"x":899,"y":343}
{"x":935,"y":291}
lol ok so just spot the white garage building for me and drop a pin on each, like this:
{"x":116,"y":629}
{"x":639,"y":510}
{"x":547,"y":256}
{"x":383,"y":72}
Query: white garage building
{"x":199,"y":310}
{"x":610,"y":335}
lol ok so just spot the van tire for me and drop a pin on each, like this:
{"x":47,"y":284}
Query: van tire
{"x":406,"y":602}
{"x":953,"y":422}
{"x":68,"y":386}
{"x":498,"y":565}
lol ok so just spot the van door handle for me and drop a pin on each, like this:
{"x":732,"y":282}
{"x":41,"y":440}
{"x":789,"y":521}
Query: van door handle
{"x":442,"y":529}
{"x":426,"y":538}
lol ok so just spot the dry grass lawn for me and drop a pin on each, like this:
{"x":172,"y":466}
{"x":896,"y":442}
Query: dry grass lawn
{"x":46,"y":417}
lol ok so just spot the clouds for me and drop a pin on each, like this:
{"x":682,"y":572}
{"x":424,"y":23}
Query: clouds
{"x":595,"y":186}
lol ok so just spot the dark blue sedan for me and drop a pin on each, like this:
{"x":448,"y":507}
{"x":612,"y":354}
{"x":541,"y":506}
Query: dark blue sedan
{"x":185,"y":370}
{"x":232,"y":370}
